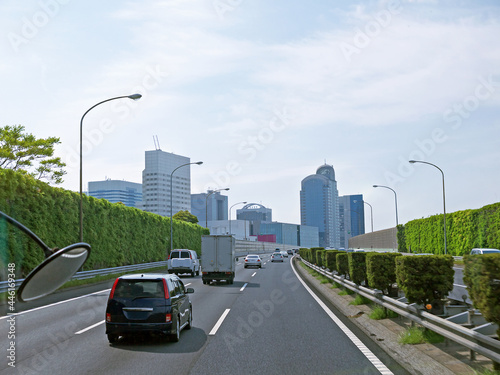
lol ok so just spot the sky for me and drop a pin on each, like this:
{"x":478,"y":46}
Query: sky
{"x":265,"y":92}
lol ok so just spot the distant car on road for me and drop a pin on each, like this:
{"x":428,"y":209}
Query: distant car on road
{"x":183,"y":261}
{"x":277,"y":257}
{"x":284,"y":253}
{"x":148,"y":303}
{"x":253,"y":261}
{"x":484,"y":251}
{"x":290,"y":252}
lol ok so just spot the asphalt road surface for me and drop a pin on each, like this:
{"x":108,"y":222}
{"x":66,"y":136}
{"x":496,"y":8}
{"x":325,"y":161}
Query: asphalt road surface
{"x":267,"y":322}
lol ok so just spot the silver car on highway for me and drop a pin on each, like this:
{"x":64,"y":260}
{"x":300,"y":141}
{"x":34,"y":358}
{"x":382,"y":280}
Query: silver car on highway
{"x":277,"y":257}
{"x":253,"y":260}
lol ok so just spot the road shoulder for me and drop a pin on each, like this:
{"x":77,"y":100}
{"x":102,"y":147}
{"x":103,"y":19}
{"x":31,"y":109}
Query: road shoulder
{"x":425,"y":359}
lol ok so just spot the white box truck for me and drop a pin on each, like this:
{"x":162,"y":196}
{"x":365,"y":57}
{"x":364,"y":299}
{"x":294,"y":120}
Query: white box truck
{"x":218,"y":261}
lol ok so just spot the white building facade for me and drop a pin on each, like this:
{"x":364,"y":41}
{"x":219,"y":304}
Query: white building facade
{"x":157,"y":180}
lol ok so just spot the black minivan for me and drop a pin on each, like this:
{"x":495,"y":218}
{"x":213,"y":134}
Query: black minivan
{"x":148,"y":303}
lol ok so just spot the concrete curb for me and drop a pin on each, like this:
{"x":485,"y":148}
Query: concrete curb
{"x":422,"y":359}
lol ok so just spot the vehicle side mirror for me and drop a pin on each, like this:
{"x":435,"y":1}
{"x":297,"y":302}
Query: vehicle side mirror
{"x":189,"y":290}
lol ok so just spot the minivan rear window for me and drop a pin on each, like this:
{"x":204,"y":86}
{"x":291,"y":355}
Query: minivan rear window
{"x":179,"y":254}
{"x":126,"y":288}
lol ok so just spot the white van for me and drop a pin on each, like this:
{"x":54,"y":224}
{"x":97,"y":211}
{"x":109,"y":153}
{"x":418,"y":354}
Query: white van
{"x":183,"y":261}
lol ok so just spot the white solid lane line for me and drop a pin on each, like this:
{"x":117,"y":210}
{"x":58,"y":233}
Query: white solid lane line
{"x":219,"y":323}
{"x":92,"y":326}
{"x":243,"y":287}
{"x":362,"y":347}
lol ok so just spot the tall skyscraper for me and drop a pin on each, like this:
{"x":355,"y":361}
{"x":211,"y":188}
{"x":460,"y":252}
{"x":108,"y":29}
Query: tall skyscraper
{"x":126,"y":192}
{"x":215,"y":206}
{"x":156,"y":183}
{"x":319,"y":205}
{"x":352,"y":217}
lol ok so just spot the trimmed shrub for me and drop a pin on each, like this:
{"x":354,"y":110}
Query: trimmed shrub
{"x":425,"y":278}
{"x":342,"y":263}
{"x":313,"y":253}
{"x":481,"y":277}
{"x":357,"y":267}
{"x":381,"y":270}
{"x":320,"y":258}
{"x":331,"y":259}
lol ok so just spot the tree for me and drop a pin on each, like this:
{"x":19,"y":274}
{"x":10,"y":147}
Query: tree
{"x":186,"y":216}
{"x":24,"y":152}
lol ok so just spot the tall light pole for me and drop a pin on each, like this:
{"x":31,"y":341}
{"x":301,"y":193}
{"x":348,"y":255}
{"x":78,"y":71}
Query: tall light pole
{"x":231,"y":233}
{"x":171,"y":204}
{"x":206,"y":204}
{"x":371,"y":212}
{"x":133,"y":97}
{"x":444,"y":199}
{"x":395,"y":199}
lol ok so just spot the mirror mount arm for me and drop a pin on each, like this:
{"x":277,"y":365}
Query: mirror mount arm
{"x":47,"y":250}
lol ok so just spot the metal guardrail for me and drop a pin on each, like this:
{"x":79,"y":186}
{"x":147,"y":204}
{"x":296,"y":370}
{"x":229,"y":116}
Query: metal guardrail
{"x":475,"y":341}
{"x":104,"y":271}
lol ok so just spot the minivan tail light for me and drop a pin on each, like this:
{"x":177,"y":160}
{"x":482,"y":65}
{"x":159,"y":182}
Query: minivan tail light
{"x":108,"y":317}
{"x":113,"y":289}
{"x":168,"y":318}
{"x":167,"y":296}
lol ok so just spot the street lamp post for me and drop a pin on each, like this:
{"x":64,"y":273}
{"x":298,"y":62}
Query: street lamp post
{"x":134,"y":97}
{"x":231,"y":233}
{"x":444,"y":199}
{"x":371,"y":212}
{"x":171,"y":204}
{"x":206,"y":204}
{"x":395,"y":199}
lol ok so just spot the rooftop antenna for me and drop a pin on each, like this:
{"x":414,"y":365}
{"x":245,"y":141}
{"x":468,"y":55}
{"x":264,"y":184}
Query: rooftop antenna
{"x":157,"y":142}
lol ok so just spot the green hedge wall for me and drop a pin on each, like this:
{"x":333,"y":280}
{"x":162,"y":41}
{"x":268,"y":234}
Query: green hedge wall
{"x":118,"y":235}
{"x":464,"y":230}
{"x":425,"y":278}
{"x":481,"y":275}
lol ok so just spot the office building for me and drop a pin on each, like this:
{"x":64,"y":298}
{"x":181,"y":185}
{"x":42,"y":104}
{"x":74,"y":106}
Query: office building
{"x":319,"y":205}
{"x":255,"y":214}
{"x":291,"y":234}
{"x":126,"y":192}
{"x":209,"y":206}
{"x":156,"y":180}
{"x":352,"y":217}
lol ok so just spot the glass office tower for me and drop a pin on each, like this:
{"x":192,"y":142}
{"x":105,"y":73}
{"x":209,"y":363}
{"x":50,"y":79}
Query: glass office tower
{"x":319,"y":205}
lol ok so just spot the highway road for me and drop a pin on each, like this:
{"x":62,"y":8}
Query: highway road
{"x":267,"y":322}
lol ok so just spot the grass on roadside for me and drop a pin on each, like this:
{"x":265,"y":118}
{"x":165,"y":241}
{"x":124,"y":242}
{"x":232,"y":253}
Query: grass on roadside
{"x":335,"y":285}
{"x":380,"y":312}
{"x":360,"y":300}
{"x":346,"y":292}
{"x":419,"y":335}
